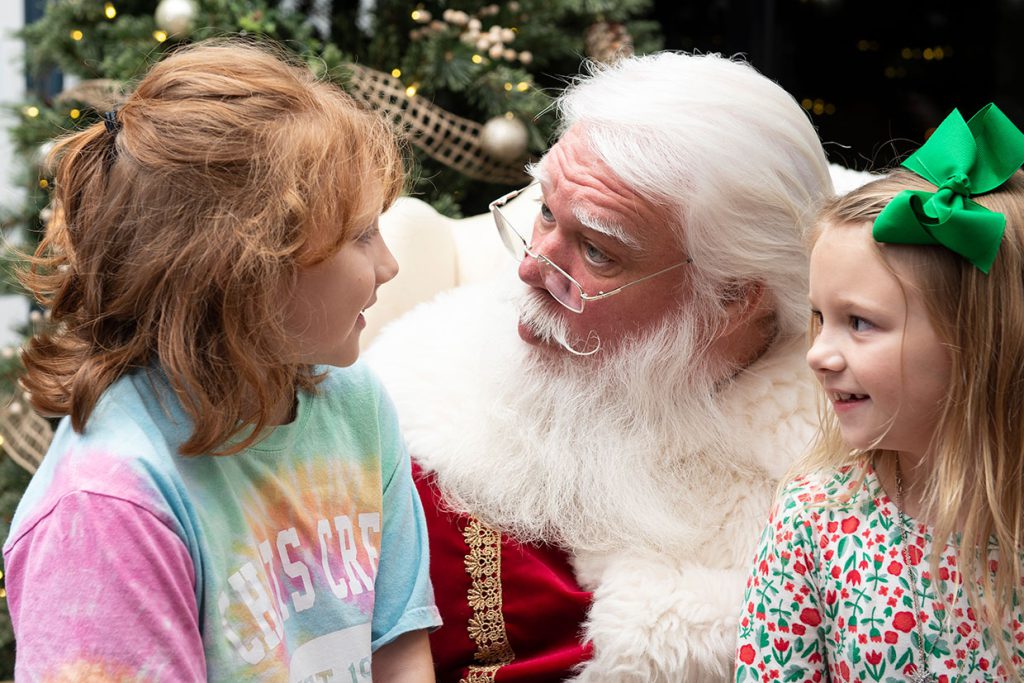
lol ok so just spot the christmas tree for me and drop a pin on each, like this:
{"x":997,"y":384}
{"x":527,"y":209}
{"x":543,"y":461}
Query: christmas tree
{"x":469,"y":85}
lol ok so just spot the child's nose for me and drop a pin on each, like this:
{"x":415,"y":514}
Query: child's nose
{"x":824,"y":356}
{"x":387,"y":265}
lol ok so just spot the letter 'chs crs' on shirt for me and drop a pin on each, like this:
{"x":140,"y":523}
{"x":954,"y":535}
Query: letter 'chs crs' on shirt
{"x":293,"y":560}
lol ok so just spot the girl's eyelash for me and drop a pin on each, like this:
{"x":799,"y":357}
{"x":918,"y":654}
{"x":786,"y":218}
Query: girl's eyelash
{"x":368,"y":235}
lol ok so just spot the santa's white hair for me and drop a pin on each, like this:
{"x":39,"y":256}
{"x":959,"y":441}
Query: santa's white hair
{"x":730,"y":154}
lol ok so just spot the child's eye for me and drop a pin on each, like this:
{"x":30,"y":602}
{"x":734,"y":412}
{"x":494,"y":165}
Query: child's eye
{"x":859,"y":324}
{"x":368,"y":236}
{"x":817,"y":320}
{"x":595,"y":255}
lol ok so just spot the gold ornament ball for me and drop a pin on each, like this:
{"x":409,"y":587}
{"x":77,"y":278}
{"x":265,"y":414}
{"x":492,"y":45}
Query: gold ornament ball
{"x":175,"y":16}
{"x":504,"y":138}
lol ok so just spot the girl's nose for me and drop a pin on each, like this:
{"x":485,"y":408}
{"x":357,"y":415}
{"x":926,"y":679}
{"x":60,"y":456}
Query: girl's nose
{"x":387,"y":266}
{"x":824,"y":356}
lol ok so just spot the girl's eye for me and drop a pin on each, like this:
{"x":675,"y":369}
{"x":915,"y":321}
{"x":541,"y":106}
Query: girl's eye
{"x":859,"y":324}
{"x":816,"y":318}
{"x":545,"y":214}
{"x":368,"y":236}
{"x":595,"y":255}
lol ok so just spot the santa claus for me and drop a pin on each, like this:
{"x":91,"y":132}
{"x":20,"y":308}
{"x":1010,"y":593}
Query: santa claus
{"x":597,"y":447}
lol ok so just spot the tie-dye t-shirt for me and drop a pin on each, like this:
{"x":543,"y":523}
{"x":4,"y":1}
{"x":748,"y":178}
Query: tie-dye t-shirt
{"x":293,"y":560}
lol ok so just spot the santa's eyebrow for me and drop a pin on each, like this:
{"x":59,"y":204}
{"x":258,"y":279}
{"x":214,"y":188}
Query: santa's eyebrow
{"x":613,"y":230}
{"x":538,"y":172}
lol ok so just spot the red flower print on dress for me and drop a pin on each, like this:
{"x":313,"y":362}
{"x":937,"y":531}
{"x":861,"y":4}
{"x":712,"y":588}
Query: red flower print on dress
{"x":914,"y":555}
{"x":811,"y":617}
{"x":903,"y":621}
{"x":839,"y":603}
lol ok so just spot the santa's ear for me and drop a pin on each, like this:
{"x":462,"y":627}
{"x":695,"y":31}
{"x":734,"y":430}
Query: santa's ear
{"x":744,"y":302}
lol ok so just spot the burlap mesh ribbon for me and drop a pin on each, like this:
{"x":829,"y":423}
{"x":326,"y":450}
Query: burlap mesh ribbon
{"x":445,"y":137}
{"x":26,"y":435}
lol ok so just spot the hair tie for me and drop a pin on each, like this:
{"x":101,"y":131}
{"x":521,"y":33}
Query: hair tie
{"x":963,"y":160}
{"x":111,"y":122}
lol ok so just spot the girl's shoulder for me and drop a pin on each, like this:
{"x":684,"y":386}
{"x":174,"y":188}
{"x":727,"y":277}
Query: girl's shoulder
{"x":355,"y":385}
{"x":825,"y":486}
{"x":827,"y":492}
{"x":125,"y":452}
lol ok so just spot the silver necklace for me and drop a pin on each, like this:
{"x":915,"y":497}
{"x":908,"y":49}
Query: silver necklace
{"x":921,"y":672}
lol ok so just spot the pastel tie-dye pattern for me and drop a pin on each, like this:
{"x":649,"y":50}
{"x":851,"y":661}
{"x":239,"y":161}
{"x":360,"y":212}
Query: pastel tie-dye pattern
{"x":308,"y":551}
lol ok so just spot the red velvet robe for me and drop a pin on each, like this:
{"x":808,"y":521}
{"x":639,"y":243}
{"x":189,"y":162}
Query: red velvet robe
{"x":511,"y":612}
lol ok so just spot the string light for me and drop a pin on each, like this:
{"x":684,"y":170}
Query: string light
{"x":411,"y":90}
{"x":818,"y":106}
{"x":160,"y":36}
{"x":508,"y":87}
{"x":476,"y":59}
{"x":416,"y":14}
{"x":522,"y":86}
{"x":44,"y":183}
{"x":74,"y":113}
{"x":31,"y":112}
{"x":77,"y":35}
{"x":397,"y":73}
{"x":109,"y":11}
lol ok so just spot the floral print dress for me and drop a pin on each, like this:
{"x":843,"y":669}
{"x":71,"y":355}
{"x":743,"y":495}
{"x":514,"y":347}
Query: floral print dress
{"x":829,"y":595}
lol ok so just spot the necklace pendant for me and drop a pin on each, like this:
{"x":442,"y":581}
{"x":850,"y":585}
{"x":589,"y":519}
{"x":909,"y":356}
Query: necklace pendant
{"x":920,"y":676}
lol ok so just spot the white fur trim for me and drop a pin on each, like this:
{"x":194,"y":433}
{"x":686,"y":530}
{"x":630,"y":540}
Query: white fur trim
{"x":657,"y":619}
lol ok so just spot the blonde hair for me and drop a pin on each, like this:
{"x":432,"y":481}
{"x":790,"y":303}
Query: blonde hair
{"x":976,"y":485}
{"x":176,"y":235}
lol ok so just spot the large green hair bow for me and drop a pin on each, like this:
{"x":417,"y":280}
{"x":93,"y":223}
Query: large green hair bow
{"x":962,"y":159}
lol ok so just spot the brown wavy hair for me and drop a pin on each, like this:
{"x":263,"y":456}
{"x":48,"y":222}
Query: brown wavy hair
{"x":975,"y":490}
{"x":176,"y":237}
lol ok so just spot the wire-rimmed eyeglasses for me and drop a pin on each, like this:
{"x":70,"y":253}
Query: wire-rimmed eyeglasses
{"x":559,"y":283}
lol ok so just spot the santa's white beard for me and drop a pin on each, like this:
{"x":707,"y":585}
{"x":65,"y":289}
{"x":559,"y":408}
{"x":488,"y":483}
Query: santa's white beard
{"x":599,"y":452}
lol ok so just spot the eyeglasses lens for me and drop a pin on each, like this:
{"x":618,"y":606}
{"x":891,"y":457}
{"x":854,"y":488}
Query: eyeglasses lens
{"x":556,"y":282}
{"x":509,"y":237}
{"x":560,"y":286}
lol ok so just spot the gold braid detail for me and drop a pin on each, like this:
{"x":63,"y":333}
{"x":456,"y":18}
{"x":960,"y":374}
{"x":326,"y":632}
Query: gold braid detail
{"x":487,"y":625}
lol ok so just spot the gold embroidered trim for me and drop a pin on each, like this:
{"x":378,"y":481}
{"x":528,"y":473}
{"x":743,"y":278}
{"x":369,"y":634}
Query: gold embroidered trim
{"x":487,"y":625}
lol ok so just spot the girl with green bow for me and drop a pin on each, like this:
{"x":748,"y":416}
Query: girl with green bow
{"x":895,"y":550}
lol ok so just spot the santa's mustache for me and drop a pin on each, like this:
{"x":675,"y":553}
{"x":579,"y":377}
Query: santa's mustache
{"x":545,"y":317}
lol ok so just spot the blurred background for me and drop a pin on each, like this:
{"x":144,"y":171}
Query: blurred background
{"x":875,"y":76}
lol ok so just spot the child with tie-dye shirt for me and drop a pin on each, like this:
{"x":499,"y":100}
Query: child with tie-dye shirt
{"x":228,"y":496}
